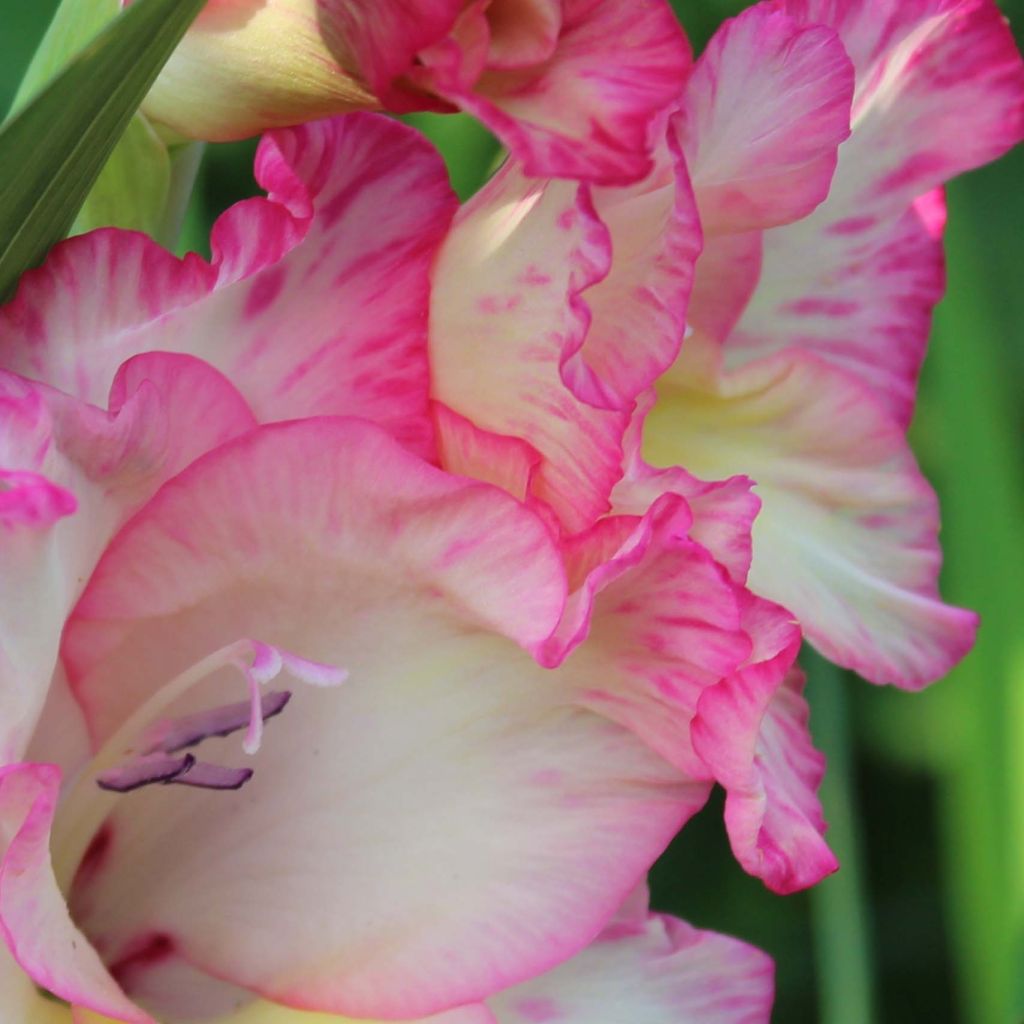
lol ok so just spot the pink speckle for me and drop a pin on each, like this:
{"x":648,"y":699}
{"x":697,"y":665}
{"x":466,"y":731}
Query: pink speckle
{"x":880,"y":522}
{"x":534,"y":276}
{"x":567,"y":220}
{"x":265,"y":289}
{"x":539,"y":1011}
{"x":822,"y":307}
{"x":457,"y":551}
{"x":546,"y":778}
{"x":852,"y":225}
{"x":918,"y":170}
{"x":492,"y":304}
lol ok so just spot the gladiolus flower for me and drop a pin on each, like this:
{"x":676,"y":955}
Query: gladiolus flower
{"x":795,"y":206}
{"x":291,"y":712}
{"x":570,"y":86}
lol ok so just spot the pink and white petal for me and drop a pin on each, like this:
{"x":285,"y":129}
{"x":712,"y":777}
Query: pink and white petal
{"x":69,"y":320}
{"x":864,"y":298}
{"x":374,"y":506}
{"x":940,"y":89}
{"x":847,"y":536}
{"x":262,"y":1012}
{"x":764,"y":111}
{"x":338,"y":325}
{"x":588,"y":112}
{"x":316,"y":304}
{"x":660,"y":971}
{"x":751,"y":731}
{"x":507,"y":462}
{"x":727,"y":277}
{"x":639,"y":310}
{"x":507,"y":314}
{"x":34,"y":918}
{"x":80,"y":472}
{"x":33,"y":503}
{"x":483,"y":834}
{"x":859,"y":293}
{"x":722,"y":512}
{"x":466,"y":450}
{"x":661,"y":621}
{"x":386,"y":40}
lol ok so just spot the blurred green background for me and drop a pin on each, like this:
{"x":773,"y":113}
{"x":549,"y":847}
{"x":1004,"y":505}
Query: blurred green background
{"x":925,"y":794}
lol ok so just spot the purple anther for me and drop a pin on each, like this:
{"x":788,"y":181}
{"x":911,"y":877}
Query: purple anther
{"x":179,"y":733}
{"x":166,"y":770}
{"x":144,"y":771}
{"x":212,"y":776}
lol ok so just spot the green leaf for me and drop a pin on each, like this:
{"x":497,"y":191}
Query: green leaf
{"x":54,"y":149}
{"x":75,"y":24}
{"x":132,"y":189}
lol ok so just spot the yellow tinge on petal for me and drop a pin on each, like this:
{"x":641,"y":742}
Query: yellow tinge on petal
{"x":46,"y":1011}
{"x":268,"y":1013}
{"x":248,"y":65}
{"x":256,"y":1013}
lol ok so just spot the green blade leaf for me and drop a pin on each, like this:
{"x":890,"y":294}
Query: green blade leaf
{"x":74,"y":25}
{"x":52,"y":152}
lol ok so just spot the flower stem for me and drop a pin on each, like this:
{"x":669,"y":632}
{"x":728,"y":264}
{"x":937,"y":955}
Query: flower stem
{"x":839,"y":905}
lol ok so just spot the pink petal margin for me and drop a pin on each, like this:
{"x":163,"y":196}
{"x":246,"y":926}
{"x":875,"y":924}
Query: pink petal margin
{"x":751,"y":731}
{"x":587,"y":112}
{"x":34,"y":918}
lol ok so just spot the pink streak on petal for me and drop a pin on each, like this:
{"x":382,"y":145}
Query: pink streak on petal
{"x":29,"y":499}
{"x":764,"y":112}
{"x":940,"y":90}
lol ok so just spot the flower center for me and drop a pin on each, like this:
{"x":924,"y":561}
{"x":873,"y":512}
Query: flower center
{"x":151,"y":748}
{"x":161,"y":760}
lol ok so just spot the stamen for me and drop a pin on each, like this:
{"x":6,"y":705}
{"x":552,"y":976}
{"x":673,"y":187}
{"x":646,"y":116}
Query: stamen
{"x":264,"y":664}
{"x":144,"y":771}
{"x":212,"y":776}
{"x":156,"y":765}
{"x":176,"y":734}
{"x":162,"y":770}
{"x":148,"y":756}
